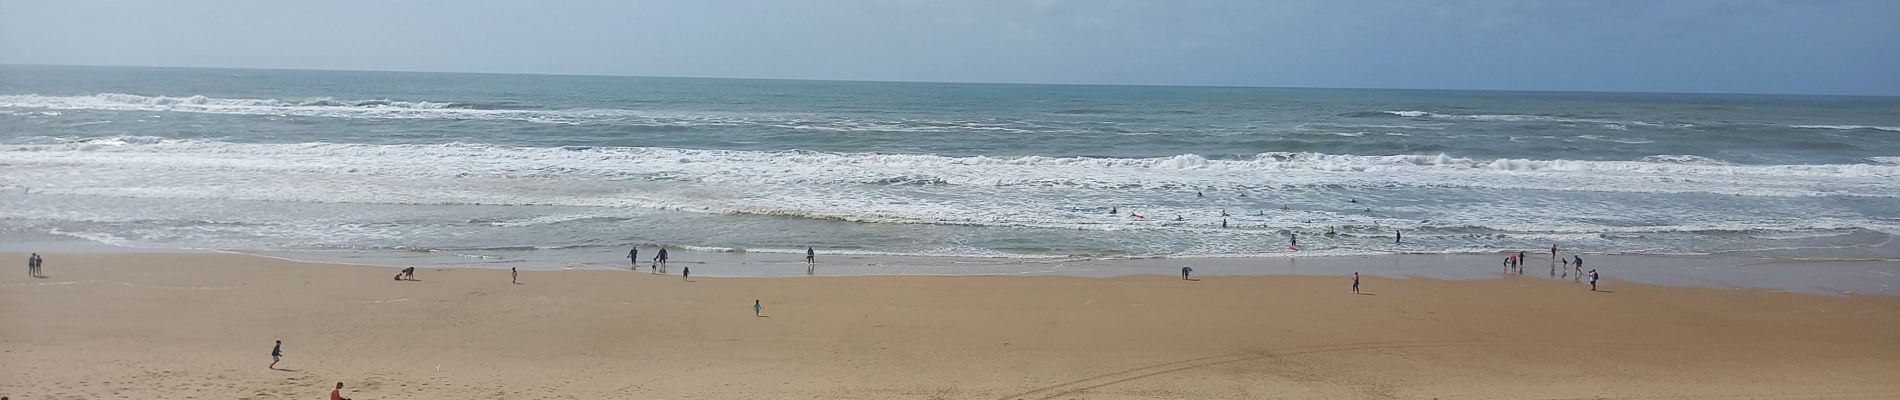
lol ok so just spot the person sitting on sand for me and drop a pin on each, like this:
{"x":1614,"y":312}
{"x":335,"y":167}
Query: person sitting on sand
{"x":1185,"y":270}
{"x":337,"y":394}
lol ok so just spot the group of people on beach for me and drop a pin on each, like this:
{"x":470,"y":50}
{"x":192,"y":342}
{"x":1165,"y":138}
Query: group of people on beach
{"x":33,"y":263}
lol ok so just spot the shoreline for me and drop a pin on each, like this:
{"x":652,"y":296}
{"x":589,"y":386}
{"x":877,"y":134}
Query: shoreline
{"x":172,"y":325}
{"x":1819,"y":271}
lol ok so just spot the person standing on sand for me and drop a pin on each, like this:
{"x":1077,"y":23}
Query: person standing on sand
{"x":337,"y":394}
{"x":1593,"y":280}
{"x":276,"y":353}
{"x":633,"y":258}
{"x":1185,"y":271}
{"x":756,"y":308}
{"x":1355,"y":282}
{"x":33,"y":264}
{"x":514,"y":275}
{"x":686,"y":274}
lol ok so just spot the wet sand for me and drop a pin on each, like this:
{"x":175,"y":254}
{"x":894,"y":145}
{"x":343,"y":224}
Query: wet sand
{"x":180,"y":326}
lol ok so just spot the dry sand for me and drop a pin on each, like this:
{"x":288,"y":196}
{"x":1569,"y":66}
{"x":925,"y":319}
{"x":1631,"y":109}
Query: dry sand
{"x":178,"y":326}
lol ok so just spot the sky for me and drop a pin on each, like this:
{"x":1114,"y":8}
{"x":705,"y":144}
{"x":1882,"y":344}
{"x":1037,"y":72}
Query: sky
{"x":1702,"y":46}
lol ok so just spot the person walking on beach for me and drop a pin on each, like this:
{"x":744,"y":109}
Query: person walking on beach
{"x":1593,"y":280}
{"x":756,"y":308}
{"x":1185,"y":271}
{"x":633,"y":258}
{"x":686,"y":274}
{"x":276,"y":353}
{"x":1355,"y":282}
{"x":514,"y":275}
{"x":337,"y":394}
{"x":33,"y":264}
{"x":659,"y":260}
{"x":1577,"y":262}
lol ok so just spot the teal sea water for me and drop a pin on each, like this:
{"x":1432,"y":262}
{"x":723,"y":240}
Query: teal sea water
{"x":544,"y":169}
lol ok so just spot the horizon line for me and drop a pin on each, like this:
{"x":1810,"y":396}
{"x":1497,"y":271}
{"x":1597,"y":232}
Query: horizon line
{"x":1212,"y":86}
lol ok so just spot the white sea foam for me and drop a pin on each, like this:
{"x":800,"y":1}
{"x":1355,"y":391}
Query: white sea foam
{"x":1610,"y":124}
{"x":394,"y":109}
{"x":1849,"y":127}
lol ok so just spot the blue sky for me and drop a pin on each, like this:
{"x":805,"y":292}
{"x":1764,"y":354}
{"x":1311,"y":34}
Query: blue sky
{"x":1746,"y":46}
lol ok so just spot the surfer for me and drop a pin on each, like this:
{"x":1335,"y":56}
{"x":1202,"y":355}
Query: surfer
{"x":1114,"y":210}
{"x":1397,"y":236}
{"x":1223,"y":223}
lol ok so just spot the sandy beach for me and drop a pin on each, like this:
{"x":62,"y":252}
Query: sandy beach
{"x":178,"y":326}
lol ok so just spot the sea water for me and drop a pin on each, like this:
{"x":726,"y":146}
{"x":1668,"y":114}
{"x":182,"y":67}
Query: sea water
{"x":555,"y":170}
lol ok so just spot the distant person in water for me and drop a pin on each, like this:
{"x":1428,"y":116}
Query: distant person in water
{"x":1223,"y":212}
{"x":633,"y":258}
{"x":1178,"y":218}
{"x":811,"y":256}
{"x":1293,"y":242}
{"x":1553,"y":251}
{"x":1397,"y":236}
{"x":1185,"y":271}
{"x":659,"y":260}
{"x":1507,"y":263}
{"x":276,"y":353}
{"x":1355,"y":282}
{"x":1223,"y":222}
{"x":1198,"y":193}
{"x":1114,"y":211}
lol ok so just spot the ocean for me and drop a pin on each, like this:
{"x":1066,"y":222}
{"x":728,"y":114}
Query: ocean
{"x":572,"y":170}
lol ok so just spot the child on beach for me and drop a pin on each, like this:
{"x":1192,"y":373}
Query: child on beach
{"x":756,"y":308}
{"x":1355,"y":282}
{"x":1593,"y":280}
{"x":276,"y":353}
{"x":514,"y":275}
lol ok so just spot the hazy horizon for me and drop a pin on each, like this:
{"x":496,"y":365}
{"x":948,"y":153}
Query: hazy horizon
{"x":1844,"y":47}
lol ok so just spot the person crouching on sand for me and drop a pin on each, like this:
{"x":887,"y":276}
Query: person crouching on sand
{"x":1185,"y":271}
{"x":337,"y":394}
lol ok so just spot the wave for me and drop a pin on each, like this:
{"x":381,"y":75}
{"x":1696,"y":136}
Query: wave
{"x":394,"y":109}
{"x":1612,"y":124}
{"x":1654,"y":174}
{"x":1849,"y":127}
